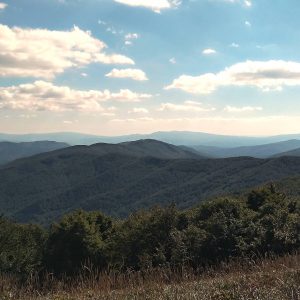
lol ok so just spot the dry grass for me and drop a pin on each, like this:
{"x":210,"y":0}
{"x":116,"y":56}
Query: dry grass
{"x":276,"y":279}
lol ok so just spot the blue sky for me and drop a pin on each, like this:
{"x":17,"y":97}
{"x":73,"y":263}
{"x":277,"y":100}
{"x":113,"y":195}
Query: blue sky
{"x":115,"y":67}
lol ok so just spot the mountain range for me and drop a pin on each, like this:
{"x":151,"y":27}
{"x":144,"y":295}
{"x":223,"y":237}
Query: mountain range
{"x":186,"y":138}
{"x":285,"y":148}
{"x":119,"y":179}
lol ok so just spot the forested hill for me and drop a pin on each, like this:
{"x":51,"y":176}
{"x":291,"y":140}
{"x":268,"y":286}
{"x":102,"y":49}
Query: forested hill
{"x":295,"y":152}
{"x":10,"y":151}
{"x":144,"y":148}
{"x":43,"y":187}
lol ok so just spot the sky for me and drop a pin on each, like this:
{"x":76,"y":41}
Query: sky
{"x":115,"y":67}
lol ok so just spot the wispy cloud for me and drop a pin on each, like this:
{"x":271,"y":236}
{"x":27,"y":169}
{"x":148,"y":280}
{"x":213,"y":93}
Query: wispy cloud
{"x":155,"y":5}
{"x":187,"y":106}
{"x":42,"y":53}
{"x":173,"y":60}
{"x":209,"y":51}
{"x":246,"y":3}
{"x":248,"y":24}
{"x":130,"y":37}
{"x":41,"y":95}
{"x":134,"y":74}
{"x":234,"y":45}
{"x":139,"y":110}
{"x":234,"y":109}
{"x":270,"y":75}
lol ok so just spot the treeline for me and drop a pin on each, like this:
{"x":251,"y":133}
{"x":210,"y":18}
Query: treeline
{"x":262,"y":222}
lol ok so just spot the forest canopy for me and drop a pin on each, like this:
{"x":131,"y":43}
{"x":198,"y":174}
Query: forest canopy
{"x":264,"y":221}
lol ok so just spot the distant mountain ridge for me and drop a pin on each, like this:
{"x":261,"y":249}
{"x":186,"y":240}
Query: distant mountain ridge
{"x":10,"y":151}
{"x":172,"y":137}
{"x":258,"y":151}
{"x":119,"y":179}
{"x":140,"y":148}
{"x":295,"y":152}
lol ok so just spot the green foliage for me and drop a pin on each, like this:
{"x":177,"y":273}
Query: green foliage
{"x":21,"y":247}
{"x":144,"y":239}
{"x":265,"y":222}
{"x":79,"y":238}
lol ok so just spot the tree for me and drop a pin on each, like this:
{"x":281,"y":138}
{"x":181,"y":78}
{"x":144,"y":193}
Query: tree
{"x":80,"y":237}
{"x":21,"y":247}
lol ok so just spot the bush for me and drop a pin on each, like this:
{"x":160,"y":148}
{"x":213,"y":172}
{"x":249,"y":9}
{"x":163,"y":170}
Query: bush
{"x":80,"y":237}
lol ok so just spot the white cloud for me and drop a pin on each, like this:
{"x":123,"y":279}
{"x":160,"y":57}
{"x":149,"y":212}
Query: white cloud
{"x":134,"y":74}
{"x":131,"y":120}
{"x":126,"y":95}
{"x":27,"y":116}
{"x":41,"y":95}
{"x":187,"y":106}
{"x":233,"y":109}
{"x":209,"y":51}
{"x":100,"y":22}
{"x":155,"y":5}
{"x":112,"y":30}
{"x":130,"y":37}
{"x":2,"y":6}
{"x":234,"y":45}
{"x":42,"y":53}
{"x":246,"y":3}
{"x":172,"y":60}
{"x":108,"y":114}
{"x":139,"y":110}
{"x":248,"y":24}
{"x":270,"y":75}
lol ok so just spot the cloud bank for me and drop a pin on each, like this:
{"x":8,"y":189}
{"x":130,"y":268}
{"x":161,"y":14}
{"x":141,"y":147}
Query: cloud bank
{"x":45,"y":96}
{"x":42,"y":53}
{"x":265,"y":75}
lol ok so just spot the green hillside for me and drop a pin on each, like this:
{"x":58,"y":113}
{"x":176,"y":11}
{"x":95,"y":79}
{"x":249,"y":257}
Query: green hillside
{"x":43,"y":187}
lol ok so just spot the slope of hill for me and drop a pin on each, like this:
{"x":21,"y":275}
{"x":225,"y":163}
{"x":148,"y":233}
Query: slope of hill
{"x":144,"y":148}
{"x":295,"y":152}
{"x":10,"y":151}
{"x":43,"y":187}
{"x":186,"y":138}
{"x":289,"y":186}
{"x":258,"y":151}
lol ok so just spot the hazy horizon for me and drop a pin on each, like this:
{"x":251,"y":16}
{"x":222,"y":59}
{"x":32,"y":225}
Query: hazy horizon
{"x":119,"y":67}
{"x":146,"y":133}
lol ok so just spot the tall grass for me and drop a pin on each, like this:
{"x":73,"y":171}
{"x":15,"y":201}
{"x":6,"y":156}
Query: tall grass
{"x":264,"y":279}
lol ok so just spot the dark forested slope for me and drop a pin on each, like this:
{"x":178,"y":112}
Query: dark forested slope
{"x":45,"y":186}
